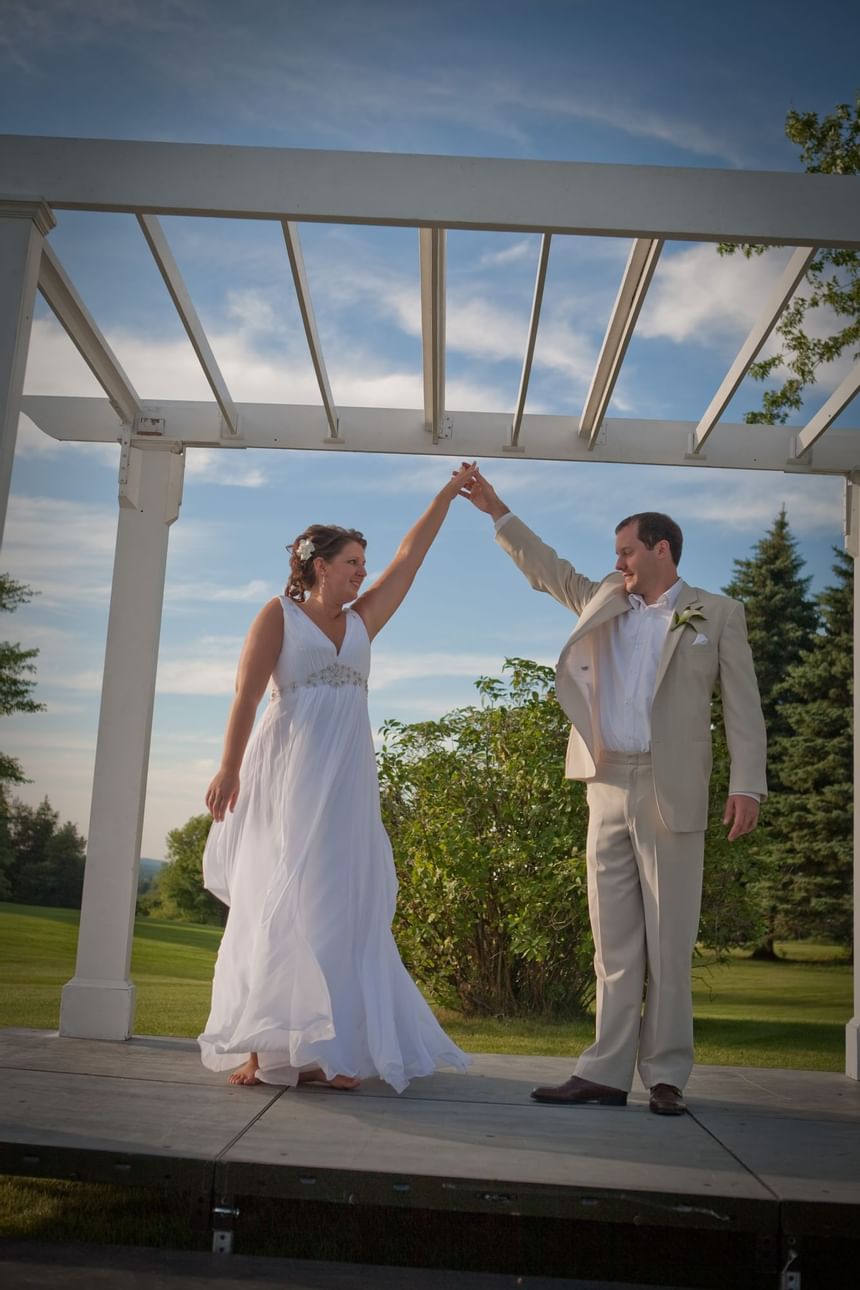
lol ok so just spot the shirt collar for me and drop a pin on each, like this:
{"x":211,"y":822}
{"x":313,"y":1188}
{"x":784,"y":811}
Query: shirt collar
{"x":666,"y":601}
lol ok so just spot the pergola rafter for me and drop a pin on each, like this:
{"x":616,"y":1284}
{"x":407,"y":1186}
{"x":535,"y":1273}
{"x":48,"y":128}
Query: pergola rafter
{"x":650,"y":205}
{"x":181,"y":297}
{"x":306,"y":309}
{"x":826,"y":415}
{"x":784,"y":289}
{"x":531,"y":340}
{"x":431,"y":249}
{"x":641,"y":263}
{"x":74,"y":317}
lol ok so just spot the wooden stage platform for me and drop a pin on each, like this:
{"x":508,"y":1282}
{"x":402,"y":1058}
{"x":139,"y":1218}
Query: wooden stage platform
{"x":765,"y":1168}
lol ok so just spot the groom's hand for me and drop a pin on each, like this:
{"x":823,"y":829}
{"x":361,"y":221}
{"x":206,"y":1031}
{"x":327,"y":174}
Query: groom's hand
{"x":741,"y":814}
{"x":481,"y":493}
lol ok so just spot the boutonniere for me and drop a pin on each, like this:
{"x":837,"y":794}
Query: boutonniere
{"x":687,"y":618}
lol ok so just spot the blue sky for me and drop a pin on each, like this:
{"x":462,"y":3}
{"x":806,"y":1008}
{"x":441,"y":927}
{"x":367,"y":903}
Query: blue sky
{"x":559,"y":80}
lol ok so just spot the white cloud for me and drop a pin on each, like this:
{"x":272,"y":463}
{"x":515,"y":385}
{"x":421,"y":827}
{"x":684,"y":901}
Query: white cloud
{"x":622,"y":111}
{"x":698,"y":295}
{"x":389,"y":668}
{"x":33,"y":442}
{"x":254,"y":591}
{"x":62,"y":547}
{"x":222,"y":466}
{"x":523,"y":249}
{"x":752,"y":500}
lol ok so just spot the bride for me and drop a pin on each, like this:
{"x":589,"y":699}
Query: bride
{"x":308,"y":983}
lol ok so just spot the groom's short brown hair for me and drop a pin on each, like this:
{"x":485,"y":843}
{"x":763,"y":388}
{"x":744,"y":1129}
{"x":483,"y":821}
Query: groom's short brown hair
{"x":654,"y":527}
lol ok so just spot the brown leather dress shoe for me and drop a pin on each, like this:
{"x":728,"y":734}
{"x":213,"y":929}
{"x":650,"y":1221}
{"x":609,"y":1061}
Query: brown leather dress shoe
{"x":577,"y":1092}
{"x":667,"y":1100}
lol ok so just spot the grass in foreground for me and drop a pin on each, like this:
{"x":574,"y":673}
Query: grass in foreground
{"x":788,"y":1014}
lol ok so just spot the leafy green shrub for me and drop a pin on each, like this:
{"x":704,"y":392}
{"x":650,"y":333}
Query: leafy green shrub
{"x":489,"y":844}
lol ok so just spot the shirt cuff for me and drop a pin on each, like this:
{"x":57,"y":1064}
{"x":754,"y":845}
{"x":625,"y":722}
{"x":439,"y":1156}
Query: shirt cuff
{"x":503,"y":519}
{"x":741,"y":792}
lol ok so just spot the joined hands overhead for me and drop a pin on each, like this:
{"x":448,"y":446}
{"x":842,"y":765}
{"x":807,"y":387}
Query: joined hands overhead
{"x":482,"y":495}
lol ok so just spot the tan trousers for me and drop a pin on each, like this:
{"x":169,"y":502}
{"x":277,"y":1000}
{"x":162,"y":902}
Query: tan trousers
{"x":644,"y":898}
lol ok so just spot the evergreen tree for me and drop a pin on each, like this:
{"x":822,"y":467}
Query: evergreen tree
{"x":781,"y":623}
{"x":44,"y":860}
{"x":16,"y":665}
{"x":813,"y":815}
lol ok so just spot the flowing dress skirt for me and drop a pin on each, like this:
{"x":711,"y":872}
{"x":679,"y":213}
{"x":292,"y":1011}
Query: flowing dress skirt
{"x":308,"y":973}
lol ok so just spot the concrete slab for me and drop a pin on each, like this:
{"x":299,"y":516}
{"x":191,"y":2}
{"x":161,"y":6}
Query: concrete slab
{"x":148,"y":1057}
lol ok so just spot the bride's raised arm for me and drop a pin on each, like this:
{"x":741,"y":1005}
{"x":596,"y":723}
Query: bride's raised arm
{"x":381,"y":600}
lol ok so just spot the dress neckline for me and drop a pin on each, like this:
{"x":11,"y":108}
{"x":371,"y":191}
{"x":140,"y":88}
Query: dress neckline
{"x":346,"y":613}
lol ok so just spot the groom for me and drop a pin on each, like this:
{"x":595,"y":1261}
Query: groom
{"x":636,"y":679}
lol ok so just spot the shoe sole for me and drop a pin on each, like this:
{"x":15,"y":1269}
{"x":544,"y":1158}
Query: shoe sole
{"x":668,"y":1110}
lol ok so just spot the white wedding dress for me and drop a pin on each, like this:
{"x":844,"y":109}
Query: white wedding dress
{"x":308,"y":974}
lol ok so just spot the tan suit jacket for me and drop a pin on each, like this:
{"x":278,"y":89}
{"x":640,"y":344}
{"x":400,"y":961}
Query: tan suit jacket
{"x":687,"y":675}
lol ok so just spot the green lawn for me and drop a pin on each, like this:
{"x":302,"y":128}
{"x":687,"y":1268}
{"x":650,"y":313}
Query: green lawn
{"x":787,"y":1014}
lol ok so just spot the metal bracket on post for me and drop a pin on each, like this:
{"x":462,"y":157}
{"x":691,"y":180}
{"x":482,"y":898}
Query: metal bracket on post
{"x":148,"y":424}
{"x":129,"y":479}
{"x":446,"y":426}
{"x":224,"y":1215}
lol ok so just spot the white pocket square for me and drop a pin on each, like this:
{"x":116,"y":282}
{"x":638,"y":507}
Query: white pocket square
{"x":701,"y":640}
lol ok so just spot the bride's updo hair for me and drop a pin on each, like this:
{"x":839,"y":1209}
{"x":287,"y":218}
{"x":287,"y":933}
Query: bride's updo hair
{"x":323,"y":540}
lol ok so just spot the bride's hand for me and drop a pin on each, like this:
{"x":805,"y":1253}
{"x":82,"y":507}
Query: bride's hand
{"x":222,"y":794}
{"x":459,"y":480}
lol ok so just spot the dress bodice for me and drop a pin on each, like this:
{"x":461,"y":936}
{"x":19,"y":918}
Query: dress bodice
{"x":309,"y":659}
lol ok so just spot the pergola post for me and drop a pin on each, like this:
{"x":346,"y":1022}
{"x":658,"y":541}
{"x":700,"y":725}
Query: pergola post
{"x":852,"y":545}
{"x":23,"y":225}
{"x":98,"y":1003}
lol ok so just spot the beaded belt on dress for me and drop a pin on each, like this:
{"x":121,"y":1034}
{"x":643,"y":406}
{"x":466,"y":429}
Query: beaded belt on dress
{"x":333,"y":674}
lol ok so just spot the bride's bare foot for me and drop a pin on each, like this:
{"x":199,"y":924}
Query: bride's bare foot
{"x":246,"y":1074}
{"x":317,"y":1076}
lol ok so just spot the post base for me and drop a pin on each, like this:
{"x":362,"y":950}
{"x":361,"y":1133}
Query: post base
{"x":852,"y":1048}
{"x":97,"y":1009}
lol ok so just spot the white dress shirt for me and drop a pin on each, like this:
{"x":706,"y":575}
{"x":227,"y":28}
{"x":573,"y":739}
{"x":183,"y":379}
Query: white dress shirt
{"x":628,"y":655}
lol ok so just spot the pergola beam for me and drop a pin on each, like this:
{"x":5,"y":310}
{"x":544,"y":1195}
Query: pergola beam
{"x":686,"y":204}
{"x":825,"y":416}
{"x":181,"y":297}
{"x":534,"y":322}
{"x":78,"y":324}
{"x":782,"y":292}
{"x":306,"y":309}
{"x":641,"y":263}
{"x":432,"y":257}
{"x":475,"y":434}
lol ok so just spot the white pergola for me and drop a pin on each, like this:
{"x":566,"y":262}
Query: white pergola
{"x":649,"y":205}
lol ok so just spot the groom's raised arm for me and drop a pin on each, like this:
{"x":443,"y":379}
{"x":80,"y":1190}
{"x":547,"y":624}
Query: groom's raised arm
{"x":542,"y":566}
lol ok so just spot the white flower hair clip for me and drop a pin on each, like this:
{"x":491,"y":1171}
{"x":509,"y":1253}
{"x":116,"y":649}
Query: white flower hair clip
{"x":305,"y":549}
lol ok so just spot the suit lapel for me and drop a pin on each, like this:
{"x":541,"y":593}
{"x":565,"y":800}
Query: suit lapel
{"x":609,"y":603}
{"x":686,"y":596}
